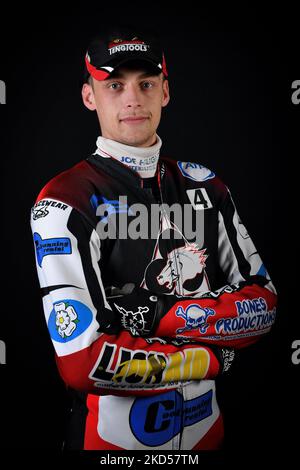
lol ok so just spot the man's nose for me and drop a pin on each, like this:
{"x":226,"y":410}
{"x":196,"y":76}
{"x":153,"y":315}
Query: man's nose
{"x":132,"y":96}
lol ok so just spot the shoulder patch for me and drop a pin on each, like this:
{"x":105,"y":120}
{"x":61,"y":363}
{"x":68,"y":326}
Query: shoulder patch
{"x":195,"y":171}
{"x":41,"y":208}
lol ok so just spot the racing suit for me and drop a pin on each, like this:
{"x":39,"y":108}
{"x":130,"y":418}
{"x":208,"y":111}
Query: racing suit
{"x":141,"y":327}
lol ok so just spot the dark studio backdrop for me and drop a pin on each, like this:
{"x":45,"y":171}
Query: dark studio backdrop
{"x":230,"y":80}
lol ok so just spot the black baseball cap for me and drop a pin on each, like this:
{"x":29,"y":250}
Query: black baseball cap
{"x":110,"y":50}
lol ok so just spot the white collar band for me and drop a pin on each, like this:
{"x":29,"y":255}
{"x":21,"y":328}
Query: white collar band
{"x":143,"y":160}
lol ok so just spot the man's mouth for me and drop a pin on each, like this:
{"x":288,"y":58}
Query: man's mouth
{"x":134,"y":119}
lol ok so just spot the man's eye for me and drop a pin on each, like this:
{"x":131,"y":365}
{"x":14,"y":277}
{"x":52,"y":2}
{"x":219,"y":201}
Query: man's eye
{"x":147,"y":85}
{"x":115,"y":86}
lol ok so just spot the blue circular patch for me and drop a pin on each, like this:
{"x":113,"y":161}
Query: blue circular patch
{"x":156,"y":420}
{"x":75,"y":317}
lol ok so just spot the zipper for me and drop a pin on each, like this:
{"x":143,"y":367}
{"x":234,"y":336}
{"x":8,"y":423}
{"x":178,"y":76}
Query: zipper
{"x":181,"y":417}
{"x":176,"y":442}
{"x":163,"y":212}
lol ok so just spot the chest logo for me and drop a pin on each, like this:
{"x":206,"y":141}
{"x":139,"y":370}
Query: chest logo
{"x":195,"y":171}
{"x":177,"y":267}
{"x":199,"y":199}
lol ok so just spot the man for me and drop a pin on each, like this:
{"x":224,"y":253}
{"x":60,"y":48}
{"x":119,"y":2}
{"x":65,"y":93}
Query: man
{"x":142,"y":325}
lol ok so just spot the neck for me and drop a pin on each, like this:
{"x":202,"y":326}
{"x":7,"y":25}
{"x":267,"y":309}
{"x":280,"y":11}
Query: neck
{"x":143,"y":160}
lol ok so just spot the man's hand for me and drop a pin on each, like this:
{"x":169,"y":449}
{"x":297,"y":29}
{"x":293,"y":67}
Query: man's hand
{"x":139,"y":312}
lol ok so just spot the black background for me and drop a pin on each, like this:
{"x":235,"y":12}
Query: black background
{"x":231,"y":70}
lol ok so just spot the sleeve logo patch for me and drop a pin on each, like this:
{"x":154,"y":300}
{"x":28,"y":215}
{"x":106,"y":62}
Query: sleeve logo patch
{"x":68,"y":320}
{"x":40,"y":209}
{"x":195,"y":318}
{"x":50,"y":246}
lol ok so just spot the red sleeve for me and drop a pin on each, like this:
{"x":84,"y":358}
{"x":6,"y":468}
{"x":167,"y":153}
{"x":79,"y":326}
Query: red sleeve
{"x":237,"y":314}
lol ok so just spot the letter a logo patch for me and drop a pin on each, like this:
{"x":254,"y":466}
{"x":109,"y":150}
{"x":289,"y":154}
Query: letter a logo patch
{"x":199,"y":199}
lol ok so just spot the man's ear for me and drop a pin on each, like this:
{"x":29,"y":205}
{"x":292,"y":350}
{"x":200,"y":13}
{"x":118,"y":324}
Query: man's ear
{"x":166,"y":93}
{"x":88,"y":97}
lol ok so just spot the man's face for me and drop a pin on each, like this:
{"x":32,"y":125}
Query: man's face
{"x":128,"y":105}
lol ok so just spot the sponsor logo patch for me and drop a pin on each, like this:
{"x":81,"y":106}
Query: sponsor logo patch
{"x":138,"y":368}
{"x":50,"y":246}
{"x":195,"y":318}
{"x":195,"y":171}
{"x":68,"y":320}
{"x":109,"y":207}
{"x":124,"y":45}
{"x":156,"y":420}
{"x":40,"y":209}
{"x":253,"y":315}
